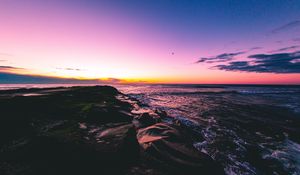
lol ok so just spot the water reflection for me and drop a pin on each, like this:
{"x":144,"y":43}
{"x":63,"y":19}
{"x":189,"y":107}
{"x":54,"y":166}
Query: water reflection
{"x":250,"y":130}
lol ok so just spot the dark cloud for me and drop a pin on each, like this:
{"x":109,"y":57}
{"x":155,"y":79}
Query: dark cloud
{"x":219,"y":58}
{"x":266,"y":63}
{"x":255,"y":48}
{"x":7,"y":78}
{"x":286,"y":49}
{"x":2,"y":60}
{"x":8,"y":67}
{"x":288,"y":26}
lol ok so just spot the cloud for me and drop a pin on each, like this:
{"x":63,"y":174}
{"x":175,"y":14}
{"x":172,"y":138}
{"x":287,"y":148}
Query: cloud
{"x":8,"y":78}
{"x":255,"y":48}
{"x":70,"y":69}
{"x":4,"y":56}
{"x":266,"y":63}
{"x":9,"y":75}
{"x":285,"y":49}
{"x":288,"y":26}
{"x":4,"y":68}
{"x":219,"y":58}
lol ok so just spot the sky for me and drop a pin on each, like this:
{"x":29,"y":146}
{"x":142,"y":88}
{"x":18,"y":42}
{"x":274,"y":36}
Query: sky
{"x":152,"y":41}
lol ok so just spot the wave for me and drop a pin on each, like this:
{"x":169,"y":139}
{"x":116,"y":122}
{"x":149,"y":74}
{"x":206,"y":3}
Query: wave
{"x":242,"y":92}
{"x":194,"y":86}
{"x":268,"y":92}
{"x":202,"y":92}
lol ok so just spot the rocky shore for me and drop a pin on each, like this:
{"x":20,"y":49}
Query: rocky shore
{"x":92,"y":130}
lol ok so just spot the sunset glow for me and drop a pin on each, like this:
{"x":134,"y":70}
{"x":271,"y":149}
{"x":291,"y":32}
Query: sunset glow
{"x":159,"y":42}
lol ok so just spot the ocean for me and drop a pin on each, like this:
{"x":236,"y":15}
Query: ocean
{"x":249,"y":129}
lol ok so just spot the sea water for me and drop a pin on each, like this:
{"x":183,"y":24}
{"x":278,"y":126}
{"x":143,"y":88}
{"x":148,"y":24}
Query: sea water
{"x":248,"y":129}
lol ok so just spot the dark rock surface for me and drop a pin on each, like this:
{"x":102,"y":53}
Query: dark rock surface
{"x":145,"y":119}
{"x":88,"y":130}
{"x":167,"y":147}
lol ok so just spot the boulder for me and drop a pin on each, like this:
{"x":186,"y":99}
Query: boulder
{"x":165,"y":146}
{"x":105,"y":114}
{"x":145,"y":120}
{"x":119,"y":140}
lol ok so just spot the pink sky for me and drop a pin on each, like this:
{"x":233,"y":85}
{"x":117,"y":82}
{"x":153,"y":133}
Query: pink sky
{"x":55,"y":39}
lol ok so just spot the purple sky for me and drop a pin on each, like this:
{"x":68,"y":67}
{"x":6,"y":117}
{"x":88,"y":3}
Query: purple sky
{"x":160,"y":41}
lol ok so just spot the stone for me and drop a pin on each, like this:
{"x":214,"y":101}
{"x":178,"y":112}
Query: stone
{"x":145,"y":120}
{"x":67,"y":151}
{"x":167,"y":147}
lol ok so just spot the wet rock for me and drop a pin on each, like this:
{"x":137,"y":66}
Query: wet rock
{"x":120,"y":140}
{"x":49,"y":133}
{"x":102,"y":115}
{"x":145,"y":120}
{"x":65,"y":150}
{"x":165,"y":146}
{"x":161,"y":113}
{"x":190,"y":130}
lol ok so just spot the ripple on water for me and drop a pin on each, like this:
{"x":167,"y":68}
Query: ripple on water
{"x":233,"y":121}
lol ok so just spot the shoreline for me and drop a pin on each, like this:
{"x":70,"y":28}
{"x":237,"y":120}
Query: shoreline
{"x":75,"y":130}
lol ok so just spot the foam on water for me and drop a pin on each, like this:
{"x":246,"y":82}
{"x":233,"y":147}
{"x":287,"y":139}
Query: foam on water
{"x":286,"y":152}
{"x":248,"y":129}
{"x":217,"y":114}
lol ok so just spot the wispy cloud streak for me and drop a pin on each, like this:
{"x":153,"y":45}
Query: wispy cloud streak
{"x":70,"y":69}
{"x":266,"y":63}
{"x":219,"y":58}
{"x":8,"y":67}
{"x":288,"y":26}
{"x":285,"y":49}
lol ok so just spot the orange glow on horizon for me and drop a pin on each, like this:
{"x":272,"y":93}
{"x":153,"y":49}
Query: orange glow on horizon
{"x":217,"y":78}
{"x":108,"y":42}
